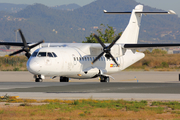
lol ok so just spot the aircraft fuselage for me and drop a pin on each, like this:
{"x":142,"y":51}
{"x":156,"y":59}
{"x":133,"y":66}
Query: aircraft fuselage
{"x":73,"y":63}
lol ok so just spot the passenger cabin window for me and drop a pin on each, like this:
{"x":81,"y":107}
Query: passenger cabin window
{"x":42,"y":54}
{"x":34,"y":54}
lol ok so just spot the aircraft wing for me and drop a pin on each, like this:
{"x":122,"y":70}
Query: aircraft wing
{"x":131,"y":46}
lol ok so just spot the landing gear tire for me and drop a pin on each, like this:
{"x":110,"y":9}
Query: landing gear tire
{"x":38,"y":80}
{"x":104,"y":79}
{"x":64,"y":79}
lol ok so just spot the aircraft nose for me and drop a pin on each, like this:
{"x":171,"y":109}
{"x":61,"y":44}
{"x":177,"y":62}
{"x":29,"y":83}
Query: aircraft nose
{"x":33,"y":67}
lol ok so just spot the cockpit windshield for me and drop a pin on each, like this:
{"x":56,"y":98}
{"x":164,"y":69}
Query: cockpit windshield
{"x":54,"y":54}
{"x":49,"y":54}
{"x":34,"y":54}
{"x":44,"y":54}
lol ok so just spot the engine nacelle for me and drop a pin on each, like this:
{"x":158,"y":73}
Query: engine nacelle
{"x":89,"y":73}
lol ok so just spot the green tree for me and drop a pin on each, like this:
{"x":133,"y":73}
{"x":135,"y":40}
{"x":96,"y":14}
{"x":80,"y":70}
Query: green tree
{"x":106,"y":36}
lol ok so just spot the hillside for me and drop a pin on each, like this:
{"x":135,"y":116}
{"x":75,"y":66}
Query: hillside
{"x":41,"y":22}
{"x":14,"y":8}
{"x":69,"y":7}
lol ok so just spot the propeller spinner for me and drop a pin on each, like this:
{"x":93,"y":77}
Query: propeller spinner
{"x":106,"y":50}
{"x":26,"y":48}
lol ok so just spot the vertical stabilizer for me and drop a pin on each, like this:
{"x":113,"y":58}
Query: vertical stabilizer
{"x":131,"y":33}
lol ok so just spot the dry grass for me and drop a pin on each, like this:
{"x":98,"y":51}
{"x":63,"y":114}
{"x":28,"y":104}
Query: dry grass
{"x":34,"y":112}
{"x":87,"y":109}
{"x":16,"y":63}
{"x":158,"y":61}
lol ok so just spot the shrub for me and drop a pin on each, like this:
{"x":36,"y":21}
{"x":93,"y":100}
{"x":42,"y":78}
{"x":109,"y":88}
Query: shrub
{"x":165,"y":64}
{"x":16,"y":69}
{"x":25,"y":104}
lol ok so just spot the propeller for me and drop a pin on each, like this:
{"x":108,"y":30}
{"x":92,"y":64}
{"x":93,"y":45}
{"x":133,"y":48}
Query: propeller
{"x":26,"y":48}
{"x":106,"y":50}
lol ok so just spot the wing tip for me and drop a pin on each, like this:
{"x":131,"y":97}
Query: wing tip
{"x":105,"y":11}
{"x":171,"y":12}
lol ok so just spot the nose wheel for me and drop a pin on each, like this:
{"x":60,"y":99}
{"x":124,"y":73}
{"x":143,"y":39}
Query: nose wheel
{"x":39,"y":78}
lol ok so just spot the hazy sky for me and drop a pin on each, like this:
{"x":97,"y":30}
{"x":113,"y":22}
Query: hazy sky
{"x":48,"y":2}
{"x":161,"y":4}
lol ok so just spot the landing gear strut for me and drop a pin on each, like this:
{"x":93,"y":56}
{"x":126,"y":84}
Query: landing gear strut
{"x":38,"y":78}
{"x":104,"y":79}
{"x":64,"y":79}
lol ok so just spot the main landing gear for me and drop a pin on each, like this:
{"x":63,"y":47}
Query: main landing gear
{"x":104,"y":79}
{"x":64,"y":79}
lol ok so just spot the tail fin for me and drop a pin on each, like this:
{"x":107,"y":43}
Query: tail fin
{"x":131,"y":33}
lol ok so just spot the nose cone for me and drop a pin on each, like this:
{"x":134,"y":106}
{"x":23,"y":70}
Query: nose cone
{"x":33,"y":67}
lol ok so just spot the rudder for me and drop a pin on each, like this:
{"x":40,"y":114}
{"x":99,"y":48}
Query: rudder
{"x":131,"y":33}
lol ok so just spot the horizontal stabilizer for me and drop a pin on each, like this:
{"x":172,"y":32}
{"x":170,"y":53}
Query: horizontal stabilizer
{"x":131,"y":46}
{"x":145,"y":13}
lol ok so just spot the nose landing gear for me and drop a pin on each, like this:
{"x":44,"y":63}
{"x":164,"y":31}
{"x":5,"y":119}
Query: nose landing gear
{"x":39,"y":78}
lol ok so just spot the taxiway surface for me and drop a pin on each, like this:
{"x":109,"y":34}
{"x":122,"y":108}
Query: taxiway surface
{"x":127,"y":85}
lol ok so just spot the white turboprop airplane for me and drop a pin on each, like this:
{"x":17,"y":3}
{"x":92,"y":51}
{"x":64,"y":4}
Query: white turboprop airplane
{"x":83,"y":60}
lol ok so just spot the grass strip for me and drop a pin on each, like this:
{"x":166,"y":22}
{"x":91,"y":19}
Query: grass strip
{"x":86,"y":109}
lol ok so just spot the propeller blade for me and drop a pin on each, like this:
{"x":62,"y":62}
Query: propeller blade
{"x":99,"y":56}
{"x":17,"y":52}
{"x":23,"y":38}
{"x":113,"y":59}
{"x":36,"y":44}
{"x":28,"y":55}
{"x":97,"y":38}
{"x":116,"y":39}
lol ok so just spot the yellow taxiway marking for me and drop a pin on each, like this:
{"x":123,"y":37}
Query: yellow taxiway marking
{"x":9,"y":97}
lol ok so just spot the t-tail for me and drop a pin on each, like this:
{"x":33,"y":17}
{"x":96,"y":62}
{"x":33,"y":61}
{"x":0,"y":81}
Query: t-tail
{"x":131,"y":33}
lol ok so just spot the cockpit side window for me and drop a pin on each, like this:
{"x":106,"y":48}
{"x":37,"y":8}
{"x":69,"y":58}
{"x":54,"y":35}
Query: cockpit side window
{"x":42,"y":54}
{"x":34,"y":54}
{"x":54,"y":54}
{"x":49,"y":54}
